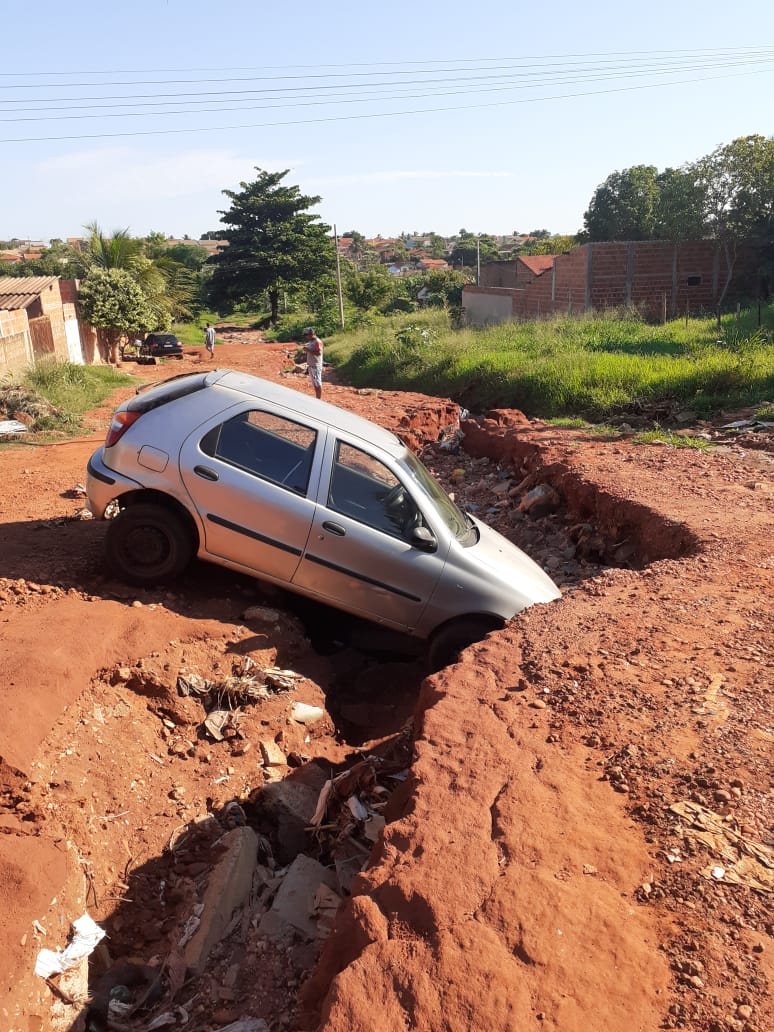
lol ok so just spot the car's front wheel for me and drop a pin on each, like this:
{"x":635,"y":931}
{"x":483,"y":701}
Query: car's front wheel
{"x":449,"y":641}
{"x":147,"y":544}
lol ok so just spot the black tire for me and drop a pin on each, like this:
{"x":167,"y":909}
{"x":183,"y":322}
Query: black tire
{"x":148,"y":544}
{"x":450,"y":640}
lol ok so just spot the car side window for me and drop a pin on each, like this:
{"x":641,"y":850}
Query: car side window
{"x":366,"y":490}
{"x":264,"y":444}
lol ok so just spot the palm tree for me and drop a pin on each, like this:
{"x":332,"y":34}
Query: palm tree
{"x":167,"y":285}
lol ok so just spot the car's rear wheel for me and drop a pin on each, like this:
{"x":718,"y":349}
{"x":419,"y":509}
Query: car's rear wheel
{"x":148,"y":544}
{"x":449,"y":641}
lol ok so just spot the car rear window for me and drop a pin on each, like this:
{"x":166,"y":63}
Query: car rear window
{"x":160,"y":394}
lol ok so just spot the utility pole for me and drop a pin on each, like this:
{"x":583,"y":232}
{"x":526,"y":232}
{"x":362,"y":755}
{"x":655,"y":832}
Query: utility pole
{"x":478,"y":261}
{"x":338,"y":277}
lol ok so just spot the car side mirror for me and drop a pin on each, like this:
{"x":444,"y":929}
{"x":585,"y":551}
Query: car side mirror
{"x":423,"y":538}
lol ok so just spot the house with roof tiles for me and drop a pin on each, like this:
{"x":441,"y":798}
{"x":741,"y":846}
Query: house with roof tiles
{"x":39,"y":319}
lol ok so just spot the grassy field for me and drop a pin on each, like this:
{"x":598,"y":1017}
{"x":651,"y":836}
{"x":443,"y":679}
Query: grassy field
{"x":589,"y":366}
{"x":191,"y":334}
{"x":54,"y":395}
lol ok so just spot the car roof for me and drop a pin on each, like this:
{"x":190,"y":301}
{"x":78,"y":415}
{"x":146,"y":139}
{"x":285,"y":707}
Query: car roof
{"x":303,"y":405}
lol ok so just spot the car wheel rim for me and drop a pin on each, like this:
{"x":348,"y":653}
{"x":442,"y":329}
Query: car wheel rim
{"x":147,"y":547}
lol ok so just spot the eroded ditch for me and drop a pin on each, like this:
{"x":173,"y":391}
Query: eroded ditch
{"x":248,"y":801}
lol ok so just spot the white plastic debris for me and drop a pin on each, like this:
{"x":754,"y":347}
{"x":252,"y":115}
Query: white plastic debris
{"x":718,"y":873}
{"x":86,"y":937}
{"x":357,"y":808}
{"x":12,"y":426}
{"x":306,"y":714}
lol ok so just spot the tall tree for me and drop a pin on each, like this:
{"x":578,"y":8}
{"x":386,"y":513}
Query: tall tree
{"x":469,"y":248}
{"x":738,"y":183}
{"x":113,"y":302}
{"x":274,"y":243}
{"x":624,"y":206}
{"x":679,"y":211}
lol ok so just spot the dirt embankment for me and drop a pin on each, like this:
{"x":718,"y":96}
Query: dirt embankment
{"x":584,"y":840}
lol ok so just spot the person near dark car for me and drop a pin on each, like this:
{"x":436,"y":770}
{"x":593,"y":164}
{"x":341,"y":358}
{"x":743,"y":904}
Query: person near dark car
{"x":209,"y":339}
{"x":314,"y":359}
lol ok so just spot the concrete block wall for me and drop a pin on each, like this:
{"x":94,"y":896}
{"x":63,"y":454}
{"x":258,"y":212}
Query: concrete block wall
{"x":499,"y":274}
{"x":15,"y":353}
{"x":485,"y":305}
{"x":657,"y":276}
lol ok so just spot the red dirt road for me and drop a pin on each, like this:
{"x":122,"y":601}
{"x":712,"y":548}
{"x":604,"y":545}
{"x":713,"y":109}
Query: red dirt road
{"x":585,"y":840}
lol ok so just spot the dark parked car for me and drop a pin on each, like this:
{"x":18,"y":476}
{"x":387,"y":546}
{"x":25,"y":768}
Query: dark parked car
{"x":159,"y":345}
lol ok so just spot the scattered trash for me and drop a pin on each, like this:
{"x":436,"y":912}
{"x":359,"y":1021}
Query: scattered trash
{"x":233,"y":816}
{"x":12,"y":426}
{"x":78,"y":491}
{"x":246,"y":1025}
{"x":305,"y":714}
{"x":217,"y":721}
{"x":539,"y":501}
{"x":747,"y":862}
{"x":749,"y":424}
{"x":222,"y":699}
{"x":178,"y":1016}
{"x":85,"y":938}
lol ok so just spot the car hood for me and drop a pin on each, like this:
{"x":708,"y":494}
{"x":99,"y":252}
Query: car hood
{"x":507,"y":563}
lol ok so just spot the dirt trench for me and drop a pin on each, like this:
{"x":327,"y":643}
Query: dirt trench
{"x":532,"y":867}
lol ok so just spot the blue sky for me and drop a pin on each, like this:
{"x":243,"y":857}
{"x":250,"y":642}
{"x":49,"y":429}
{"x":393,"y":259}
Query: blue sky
{"x":520,"y":109}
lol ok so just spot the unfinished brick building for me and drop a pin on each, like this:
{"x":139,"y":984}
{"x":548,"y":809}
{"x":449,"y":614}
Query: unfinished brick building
{"x":38,"y":319}
{"x":659,"y":278}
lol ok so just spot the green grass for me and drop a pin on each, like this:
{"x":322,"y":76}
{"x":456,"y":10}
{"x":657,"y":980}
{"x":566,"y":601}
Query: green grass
{"x":591,"y":366}
{"x":191,"y":334}
{"x":55,"y":395}
{"x":667,"y":437}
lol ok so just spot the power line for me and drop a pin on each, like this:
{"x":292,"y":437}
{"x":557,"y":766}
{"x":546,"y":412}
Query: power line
{"x":289,"y":102}
{"x":152,"y":99}
{"x":392,"y":64}
{"x":372,"y":115}
{"x":742,"y":54}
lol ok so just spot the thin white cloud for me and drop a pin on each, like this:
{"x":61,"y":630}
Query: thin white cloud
{"x":121,"y":172}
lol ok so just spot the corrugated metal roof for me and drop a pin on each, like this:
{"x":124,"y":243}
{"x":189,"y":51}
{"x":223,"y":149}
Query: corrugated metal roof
{"x":21,"y":291}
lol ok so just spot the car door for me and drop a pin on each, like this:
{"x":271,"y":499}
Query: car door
{"x":252,"y":478}
{"x":359,"y":555}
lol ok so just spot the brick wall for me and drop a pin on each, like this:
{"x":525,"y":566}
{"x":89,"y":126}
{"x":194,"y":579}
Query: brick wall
{"x":658,"y":277}
{"x":15,"y":343}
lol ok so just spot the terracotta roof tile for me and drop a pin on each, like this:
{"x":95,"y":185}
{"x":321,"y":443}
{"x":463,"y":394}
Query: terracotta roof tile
{"x":537,"y":263}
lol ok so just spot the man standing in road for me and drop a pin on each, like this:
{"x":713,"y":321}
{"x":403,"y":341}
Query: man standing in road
{"x":209,"y":339}
{"x":314,"y":359}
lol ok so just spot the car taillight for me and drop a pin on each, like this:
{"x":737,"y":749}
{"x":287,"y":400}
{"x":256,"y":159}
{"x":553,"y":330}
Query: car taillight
{"x":120,"y":424}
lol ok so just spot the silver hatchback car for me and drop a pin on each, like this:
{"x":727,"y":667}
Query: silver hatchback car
{"x":262,"y":479}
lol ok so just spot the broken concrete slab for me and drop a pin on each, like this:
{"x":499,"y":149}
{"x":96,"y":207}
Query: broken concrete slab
{"x":294,"y":905}
{"x":271,"y":754}
{"x":288,"y":806}
{"x":229,"y":885}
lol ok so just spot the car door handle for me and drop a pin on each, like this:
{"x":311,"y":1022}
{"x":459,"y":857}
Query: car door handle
{"x":334,"y":528}
{"x":205,"y":473}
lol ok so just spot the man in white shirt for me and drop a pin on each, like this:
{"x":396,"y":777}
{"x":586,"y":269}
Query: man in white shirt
{"x":314,"y":359}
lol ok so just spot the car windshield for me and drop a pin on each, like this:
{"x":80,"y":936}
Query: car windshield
{"x":462,"y":526}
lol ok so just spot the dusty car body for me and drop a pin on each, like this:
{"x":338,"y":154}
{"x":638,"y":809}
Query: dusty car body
{"x":300,"y":493}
